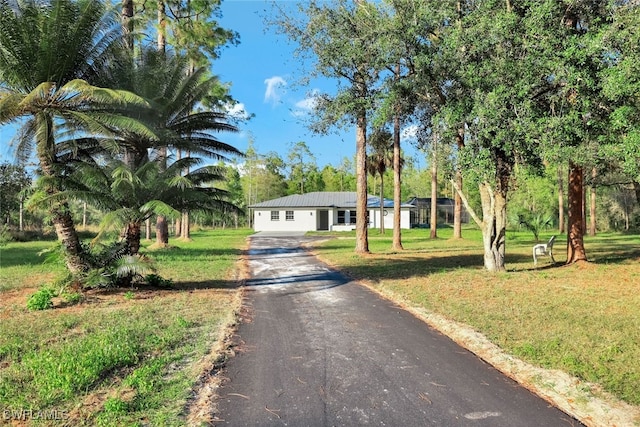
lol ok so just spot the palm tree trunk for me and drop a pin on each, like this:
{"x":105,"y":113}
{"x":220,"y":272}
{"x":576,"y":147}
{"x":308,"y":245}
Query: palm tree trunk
{"x":592,"y":203}
{"x":382,"y":203}
{"x":434,"y":191}
{"x":457,"y":200}
{"x":147,"y":229}
{"x":66,"y":232}
{"x":132,"y":237}
{"x":84,"y":216}
{"x":185,"y":231}
{"x":21,"y":218}
{"x":127,"y":23}
{"x":362,"y":227}
{"x":162,"y":24}
{"x":60,"y":212}
{"x":397,"y":183}
{"x":162,"y":226}
{"x":185,"y":227}
{"x":162,"y":231}
{"x":177,"y":232}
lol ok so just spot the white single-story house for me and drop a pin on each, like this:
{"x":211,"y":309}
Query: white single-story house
{"x":329,"y":211}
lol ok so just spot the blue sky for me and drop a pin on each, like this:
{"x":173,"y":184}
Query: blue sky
{"x":263,"y":74}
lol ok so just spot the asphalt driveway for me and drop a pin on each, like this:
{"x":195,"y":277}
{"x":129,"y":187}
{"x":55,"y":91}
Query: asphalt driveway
{"x":317,"y":349}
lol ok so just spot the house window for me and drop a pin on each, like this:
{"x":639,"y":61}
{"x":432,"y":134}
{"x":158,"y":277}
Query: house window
{"x":289,"y":216}
{"x":347,"y":217}
{"x":275,"y":215}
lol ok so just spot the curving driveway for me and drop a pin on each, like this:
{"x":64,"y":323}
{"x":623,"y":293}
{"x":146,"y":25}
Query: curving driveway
{"x":318,"y":349}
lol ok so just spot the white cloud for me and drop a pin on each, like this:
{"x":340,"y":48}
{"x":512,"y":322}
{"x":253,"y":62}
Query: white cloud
{"x":410,"y":133}
{"x":306,"y":105}
{"x":237,"y":111}
{"x":274,"y":90}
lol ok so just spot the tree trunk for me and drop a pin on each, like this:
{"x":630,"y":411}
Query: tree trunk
{"x":362,"y":238}
{"x":457,"y":200}
{"x":59,"y":211}
{"x":132,"y":237}
{"x":494,"y":214}
{"x":21,"y":216}
{"x":636,"y":188}
{"x":127,"y":23}
{"x":162,"y":26}
{"x":162,"y":231}
{"x":84,"y":215}
{"x":457,"y":209}
{"x":147,"y":229}
{"x":382,"y":203}
{"x":561,"y":228}
{"x":162,"y":225}
{"x":575,"y":230}
{"x":66,"y":232}
{"x":185,"y":230}
{"x":592,"y":204}
{"x":178,"y":228}
{"x":397,"y":184}
{"x":185,"y":226}
{"x":494,"y":226}
{"x":433,"y":221}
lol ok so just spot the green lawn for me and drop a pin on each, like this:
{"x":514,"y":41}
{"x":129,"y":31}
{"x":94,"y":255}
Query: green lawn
{"x":583,"y":319}
{"x":133,"y":356}
{"x":123,"y":357}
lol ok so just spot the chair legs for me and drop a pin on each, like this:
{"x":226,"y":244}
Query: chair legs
{"x":542,"y":249}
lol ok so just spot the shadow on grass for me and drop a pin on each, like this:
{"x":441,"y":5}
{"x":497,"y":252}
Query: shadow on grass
{"x":21,"y":255}
{"x":179,"y":254}
{"x":440,"y":259}
{"x":376,"y":269}
{"x":142,"y":291}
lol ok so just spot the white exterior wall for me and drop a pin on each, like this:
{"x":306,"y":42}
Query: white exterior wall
{"x":374,"y":218}
{"x":303,"y":220}
{"x":405,"y":219}
{"x":307,"y":220}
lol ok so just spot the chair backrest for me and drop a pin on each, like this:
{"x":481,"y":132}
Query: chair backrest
{"x":550,"y":242}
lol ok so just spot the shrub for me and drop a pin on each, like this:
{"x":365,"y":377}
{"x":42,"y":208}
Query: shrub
{"x":158,"y":281}
{"x":41,"y":300}
{"x":73,"y":297}
{"x":5,"y":235}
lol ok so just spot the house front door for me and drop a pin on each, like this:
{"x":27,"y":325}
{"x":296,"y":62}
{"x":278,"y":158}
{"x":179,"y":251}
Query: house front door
{"x":323,"y":220}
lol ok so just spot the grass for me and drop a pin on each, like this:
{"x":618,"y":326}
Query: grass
{"x":133,"y":356}
{"x":583,"y":319}
{"x":123,"y":357}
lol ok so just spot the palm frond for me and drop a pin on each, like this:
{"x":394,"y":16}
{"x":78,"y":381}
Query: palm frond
{"x":134,"y":265}
{"x":10,"y":103}
{"x":159,"y":207}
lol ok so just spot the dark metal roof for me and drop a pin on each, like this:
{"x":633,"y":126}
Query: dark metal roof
{"x":426,"y":201}
{"x":324,"y":199}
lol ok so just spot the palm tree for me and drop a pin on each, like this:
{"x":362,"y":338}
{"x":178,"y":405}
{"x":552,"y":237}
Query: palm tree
{"x":180,"y":121}
{"x":131,"y":196}
{"x":49,"y":54}
{"x":378,"y":161}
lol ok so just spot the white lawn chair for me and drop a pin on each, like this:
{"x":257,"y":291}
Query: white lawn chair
{"x":544,"y":249}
